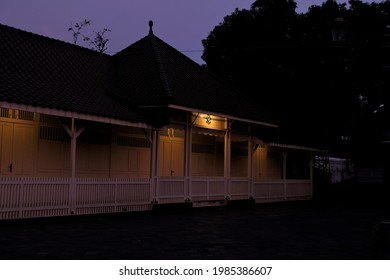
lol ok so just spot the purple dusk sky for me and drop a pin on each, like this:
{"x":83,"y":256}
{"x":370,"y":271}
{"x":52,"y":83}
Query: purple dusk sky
{"x":180,"y":23}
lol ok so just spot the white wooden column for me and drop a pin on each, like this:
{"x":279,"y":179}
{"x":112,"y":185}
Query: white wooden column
{"x":154,"y":165}
{"x":311,"y":166}
{"x":227,"y":162}
{"x":187,"y":162}
{"x":285,"y":174}
{"x":251,"y":152}
{"x":73,"y":133}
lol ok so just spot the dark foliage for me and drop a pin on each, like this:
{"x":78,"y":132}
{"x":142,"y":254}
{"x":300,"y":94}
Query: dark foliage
{"x":327,"y":94}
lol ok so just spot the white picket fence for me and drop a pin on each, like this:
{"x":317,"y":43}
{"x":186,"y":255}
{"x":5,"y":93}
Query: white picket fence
{"x":42,"y":197}
{"x":219,"y":188}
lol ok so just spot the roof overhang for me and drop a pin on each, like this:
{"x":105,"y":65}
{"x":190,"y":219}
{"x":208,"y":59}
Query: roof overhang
{"x":221,"y":115}
{"x":69,"y":114}
{"x":294,"y":147}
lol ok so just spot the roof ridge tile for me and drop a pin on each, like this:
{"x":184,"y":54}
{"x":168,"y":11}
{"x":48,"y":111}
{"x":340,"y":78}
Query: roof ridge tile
{"x":160,"y":66}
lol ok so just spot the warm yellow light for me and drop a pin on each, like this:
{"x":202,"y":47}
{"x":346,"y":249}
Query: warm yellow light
{"x":208,"y":119}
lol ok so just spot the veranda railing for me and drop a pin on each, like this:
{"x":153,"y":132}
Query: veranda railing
{"x":40,"y":197}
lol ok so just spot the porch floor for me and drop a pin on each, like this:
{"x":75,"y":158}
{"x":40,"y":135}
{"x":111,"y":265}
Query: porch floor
{"x":289,"y":230}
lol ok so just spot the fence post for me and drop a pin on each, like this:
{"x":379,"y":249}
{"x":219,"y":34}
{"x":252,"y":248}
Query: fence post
{"x":21,"y":195}
{"x":72,"y":195}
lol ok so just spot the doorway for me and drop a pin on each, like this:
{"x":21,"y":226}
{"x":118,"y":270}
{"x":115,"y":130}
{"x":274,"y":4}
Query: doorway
{"x":171,"y":159}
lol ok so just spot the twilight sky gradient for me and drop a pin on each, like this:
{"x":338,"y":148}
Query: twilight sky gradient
{"x":180,"y":23}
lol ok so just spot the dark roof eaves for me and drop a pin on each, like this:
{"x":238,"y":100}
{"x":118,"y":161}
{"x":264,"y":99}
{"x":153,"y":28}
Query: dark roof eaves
{"x":64,"y":112}
{"x":224,"y":115}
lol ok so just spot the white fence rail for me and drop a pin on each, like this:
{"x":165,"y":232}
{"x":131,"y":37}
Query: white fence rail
{"x":180,"y":189}
{"x":42,"y":197}
{"x":111,"y":195}
{"x":240,"y":188}
{"x":281,"y":190}
{"x":171,"y":190}
{"x":34,"y":197}
{"x":208,"y":188}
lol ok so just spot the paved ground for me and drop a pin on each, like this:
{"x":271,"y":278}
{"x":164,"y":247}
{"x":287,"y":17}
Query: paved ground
{"x":295,"y":230}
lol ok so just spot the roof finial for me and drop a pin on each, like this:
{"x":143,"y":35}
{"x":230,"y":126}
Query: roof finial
{"x":150,"y":27}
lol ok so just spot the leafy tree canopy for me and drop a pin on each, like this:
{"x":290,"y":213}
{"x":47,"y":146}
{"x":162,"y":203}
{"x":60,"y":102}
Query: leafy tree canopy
{"x":328,"y":94}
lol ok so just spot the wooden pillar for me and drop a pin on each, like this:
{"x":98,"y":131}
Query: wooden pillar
{"x":154,"y":165}
{"x":227,"y":162}
{"x":285,"y":174}
{"x":73,"y":147}
{"x":187,"y":162}
{"x":251,"y":151}
{"x":311,"y":170}
{"x":311,"y":166}
{"x":73,"y":133}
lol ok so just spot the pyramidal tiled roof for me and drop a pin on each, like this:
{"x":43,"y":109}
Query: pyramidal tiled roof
{"x":40,"y":71}
{"x":164,"y":76}
{"x":43,"y":72}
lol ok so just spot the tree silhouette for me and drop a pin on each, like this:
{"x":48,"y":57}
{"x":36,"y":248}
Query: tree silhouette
{"x":98,"y":42}
{"x":328,"y":94}
{"x":77,"y":27}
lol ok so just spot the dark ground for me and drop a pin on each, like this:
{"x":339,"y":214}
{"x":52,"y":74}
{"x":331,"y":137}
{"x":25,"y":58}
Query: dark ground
{"x":322,"y":229}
